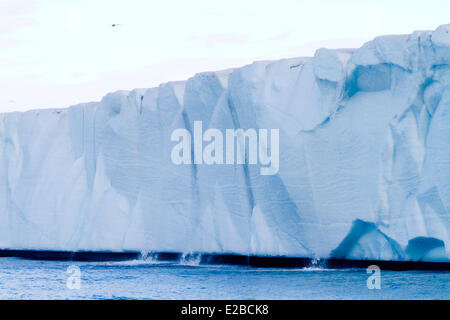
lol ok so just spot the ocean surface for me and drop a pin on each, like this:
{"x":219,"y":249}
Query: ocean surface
{"x":28,"y":279}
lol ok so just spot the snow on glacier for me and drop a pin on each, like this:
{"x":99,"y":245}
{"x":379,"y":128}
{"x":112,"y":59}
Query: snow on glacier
{"x":364,"y":161}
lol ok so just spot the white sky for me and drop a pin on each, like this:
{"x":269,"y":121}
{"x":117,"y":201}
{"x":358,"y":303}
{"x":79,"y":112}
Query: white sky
{"x":58,"y":53}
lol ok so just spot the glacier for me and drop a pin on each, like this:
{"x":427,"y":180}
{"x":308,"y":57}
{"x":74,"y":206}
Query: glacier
{"x":364,"y":168}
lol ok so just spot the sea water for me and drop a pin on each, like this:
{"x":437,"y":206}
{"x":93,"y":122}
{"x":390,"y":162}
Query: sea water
{"x":147,"y":279}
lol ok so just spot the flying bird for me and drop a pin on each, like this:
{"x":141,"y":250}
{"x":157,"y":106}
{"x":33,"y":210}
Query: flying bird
{"x":114,"y":25}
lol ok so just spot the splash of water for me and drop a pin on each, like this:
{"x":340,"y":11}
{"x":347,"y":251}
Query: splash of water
{"x":190,"y":259}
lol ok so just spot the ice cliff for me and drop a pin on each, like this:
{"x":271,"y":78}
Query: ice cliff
{"x":364,"y":161}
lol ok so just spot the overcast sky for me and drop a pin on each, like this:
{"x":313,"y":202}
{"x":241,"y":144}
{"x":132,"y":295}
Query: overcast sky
{"x":59,"y":53}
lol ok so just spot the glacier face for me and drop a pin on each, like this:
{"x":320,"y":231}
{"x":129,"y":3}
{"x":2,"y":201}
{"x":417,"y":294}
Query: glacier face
{"x":364,"y":161}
